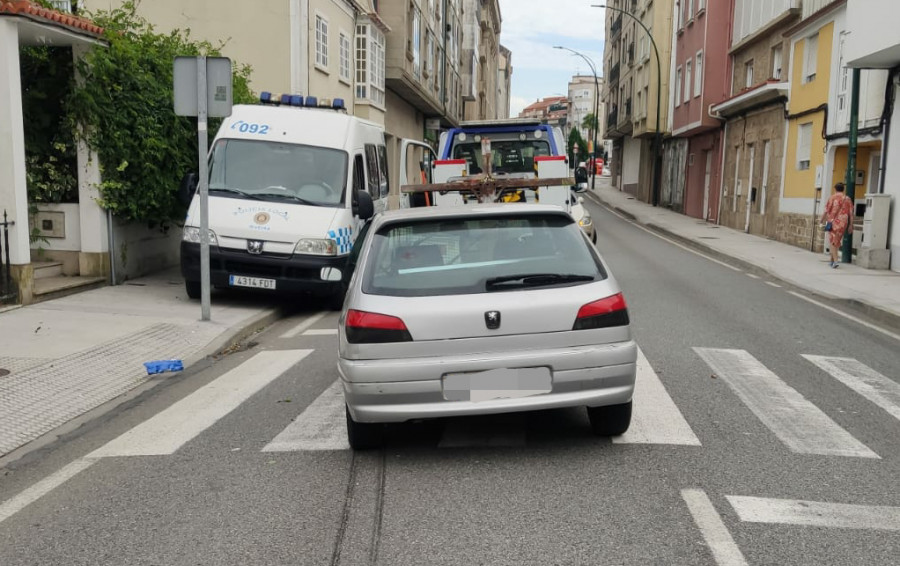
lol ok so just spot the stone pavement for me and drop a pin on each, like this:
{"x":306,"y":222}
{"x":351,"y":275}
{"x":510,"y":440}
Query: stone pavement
{"x":68,"y":356}
{"x":876,"y":292}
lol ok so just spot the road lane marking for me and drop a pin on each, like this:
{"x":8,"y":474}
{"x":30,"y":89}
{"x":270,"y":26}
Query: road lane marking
{"x":321,"y":426}
{"x":43,"y":487}
{"x":304,"y":324}
{"x":665,"y":239}
{"x":752,"y":276}
{"x":859,"y":377}
{"x":870,"y":326}
{"x":799,"y":424}
{"x":771,"y":284}
{"x":656,"y":418}
{"x":715,"y":533}
{"x":321,"y":332}
{"x":815,"y":513}
{"x":169,"y":430}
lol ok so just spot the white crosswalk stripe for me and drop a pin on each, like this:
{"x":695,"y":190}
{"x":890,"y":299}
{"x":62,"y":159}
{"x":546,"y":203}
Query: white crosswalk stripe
{"x":799,"y":424}
{"x":815,"y":513}
{"x":655,"y":417}
{"x":321,"y":426}
{"x":878,"y":389}
{"x":170,"y":429}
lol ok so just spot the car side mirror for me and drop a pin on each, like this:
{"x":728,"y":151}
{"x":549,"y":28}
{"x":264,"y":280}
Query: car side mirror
{"x":187,"y":188}
{"x":363,"y":207}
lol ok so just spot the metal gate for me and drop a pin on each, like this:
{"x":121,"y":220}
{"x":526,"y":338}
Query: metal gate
{"x":8,"y":290}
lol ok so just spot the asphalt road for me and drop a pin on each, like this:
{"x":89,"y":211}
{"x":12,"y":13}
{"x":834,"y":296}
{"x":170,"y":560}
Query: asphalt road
{"x":747,"y":452}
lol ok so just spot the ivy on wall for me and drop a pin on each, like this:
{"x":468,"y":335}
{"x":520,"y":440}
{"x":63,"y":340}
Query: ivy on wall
{"x":122,"y":105}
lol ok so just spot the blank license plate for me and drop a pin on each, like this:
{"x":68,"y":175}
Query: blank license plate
{"x":256,"y":282}
{"x":497,"y":384}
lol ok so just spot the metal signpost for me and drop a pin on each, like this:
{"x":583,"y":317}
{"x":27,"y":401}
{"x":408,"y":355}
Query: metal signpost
{"x":203,"y":89}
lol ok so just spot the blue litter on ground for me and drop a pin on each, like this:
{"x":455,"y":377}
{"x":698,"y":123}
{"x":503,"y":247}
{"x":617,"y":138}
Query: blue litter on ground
{"x":162,"y":366}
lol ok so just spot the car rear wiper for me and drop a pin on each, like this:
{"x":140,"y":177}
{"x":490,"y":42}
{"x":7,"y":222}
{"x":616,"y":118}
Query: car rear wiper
{"x":535,"y":280}
{"x":242,"y":194}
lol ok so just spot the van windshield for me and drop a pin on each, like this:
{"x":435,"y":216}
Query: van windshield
{"x":263,"y":170}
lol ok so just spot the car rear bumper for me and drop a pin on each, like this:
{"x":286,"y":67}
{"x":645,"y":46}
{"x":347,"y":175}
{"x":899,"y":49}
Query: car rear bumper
{"x":401,"y":390}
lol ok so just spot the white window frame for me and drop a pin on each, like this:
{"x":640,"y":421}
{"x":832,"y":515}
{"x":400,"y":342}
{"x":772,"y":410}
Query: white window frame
{"x":810,"y":57}
{"x":678,"y":77}
{"x":777,"y":62}
{"x":748,"y":73}
{"x":804,"y":146}
{"x":701,"y":5}
{"x":344,"y":52}
{"x":688,"y":79}
{"x":370,"y":45}
{"x":698,"y":73}
{"x":417,"y":42}
{"x":321,"y":42}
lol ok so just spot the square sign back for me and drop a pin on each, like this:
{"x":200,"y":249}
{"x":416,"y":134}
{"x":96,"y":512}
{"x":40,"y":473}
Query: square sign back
{"x":218,"y":86}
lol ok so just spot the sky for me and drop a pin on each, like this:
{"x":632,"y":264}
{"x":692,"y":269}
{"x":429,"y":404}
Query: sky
{"x":531,"y":28}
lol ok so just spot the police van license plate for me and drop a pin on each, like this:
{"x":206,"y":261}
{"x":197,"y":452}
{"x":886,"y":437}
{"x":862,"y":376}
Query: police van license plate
{"x":255,"y":282}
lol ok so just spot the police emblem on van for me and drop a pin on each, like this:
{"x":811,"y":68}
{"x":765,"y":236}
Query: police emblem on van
{"x":262,"y":218}
{"x":255,"y":247}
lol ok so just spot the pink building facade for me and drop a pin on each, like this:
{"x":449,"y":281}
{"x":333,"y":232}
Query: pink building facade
{"x":702,"y":78}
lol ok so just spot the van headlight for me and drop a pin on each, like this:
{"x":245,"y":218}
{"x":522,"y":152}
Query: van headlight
{"x":586,"y":220}
{"x":312,"y":246}
{"x":192,"y":234}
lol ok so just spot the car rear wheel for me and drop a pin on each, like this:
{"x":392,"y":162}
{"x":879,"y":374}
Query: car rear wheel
{"x":192,"y":288}
{"x":611,"y":420}
{"x":364,"y":436}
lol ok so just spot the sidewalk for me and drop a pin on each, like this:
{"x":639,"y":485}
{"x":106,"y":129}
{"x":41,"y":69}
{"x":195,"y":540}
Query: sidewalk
{"x":68,"y":356}
{"x":877,"y":292}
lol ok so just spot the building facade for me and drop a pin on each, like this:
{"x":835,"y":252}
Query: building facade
{"x":754,"y":116}
{"x":481,"y":58}
{"x":504,"y":82}
{"x":637,"y":89}
{"x":872,"y":41}
{"x":692,"y":171}
{"x":584,"y":92}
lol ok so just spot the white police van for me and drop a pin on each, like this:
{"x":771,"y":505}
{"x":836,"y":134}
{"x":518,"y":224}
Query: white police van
{"x":290,"y":182}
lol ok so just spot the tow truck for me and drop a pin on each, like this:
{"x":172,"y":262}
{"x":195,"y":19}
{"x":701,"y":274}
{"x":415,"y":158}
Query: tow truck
{"x":515,"y":160}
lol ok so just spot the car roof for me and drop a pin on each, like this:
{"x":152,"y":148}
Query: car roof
{"x":467,"y":211}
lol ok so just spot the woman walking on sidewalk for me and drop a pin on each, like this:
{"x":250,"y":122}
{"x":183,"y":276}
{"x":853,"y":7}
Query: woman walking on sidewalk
{"x":836,"y":220}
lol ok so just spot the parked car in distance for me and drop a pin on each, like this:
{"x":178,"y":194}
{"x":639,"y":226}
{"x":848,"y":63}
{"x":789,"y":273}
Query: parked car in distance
{"x":482,"y":309}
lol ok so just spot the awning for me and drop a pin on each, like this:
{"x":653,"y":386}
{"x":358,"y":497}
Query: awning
{"x":40,"y":26}
{"x":760,"y":94}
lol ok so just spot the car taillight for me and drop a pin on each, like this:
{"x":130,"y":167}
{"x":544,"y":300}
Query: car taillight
{"x":605,"y":313}
{"x":373,"y":328}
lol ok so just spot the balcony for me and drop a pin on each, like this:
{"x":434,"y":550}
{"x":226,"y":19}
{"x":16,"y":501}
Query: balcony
{"x":62,"y":5}
{"x":612,"y":118}
{"x":613,"y":74}
{"x":630,"y":53}
{"x":616,"y":27}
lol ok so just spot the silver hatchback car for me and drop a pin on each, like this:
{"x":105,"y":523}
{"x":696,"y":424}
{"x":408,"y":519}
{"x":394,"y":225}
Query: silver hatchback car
{"x":477,"y":310}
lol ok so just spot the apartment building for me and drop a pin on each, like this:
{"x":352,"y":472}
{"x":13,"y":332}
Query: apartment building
{"x":584,"y":92}
{"x":504,"y":82}
{"x":637,"y":89}
{"x":754,"y":116}
{"x":481,"y":59}
{"x":692,"y":158}
{"x":872,"y":41}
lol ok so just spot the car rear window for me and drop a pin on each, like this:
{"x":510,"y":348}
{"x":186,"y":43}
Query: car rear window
{"x":459,"y":256}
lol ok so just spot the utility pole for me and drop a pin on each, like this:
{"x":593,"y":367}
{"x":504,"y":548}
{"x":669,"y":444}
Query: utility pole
{"x":847,"y":244}
{"x":596,"y":106}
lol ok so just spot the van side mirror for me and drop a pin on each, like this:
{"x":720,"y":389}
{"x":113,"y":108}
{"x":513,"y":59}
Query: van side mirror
{"x":187,"y":188}
{"x":363,"y":207}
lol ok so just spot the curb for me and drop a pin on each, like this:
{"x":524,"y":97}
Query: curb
{"x":874,"y":312}
{"x":235,"y":334}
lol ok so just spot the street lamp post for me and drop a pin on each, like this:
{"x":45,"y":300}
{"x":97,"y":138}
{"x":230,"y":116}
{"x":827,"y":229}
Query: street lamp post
{"x":596,"y":107}
{"x":657,"y":141}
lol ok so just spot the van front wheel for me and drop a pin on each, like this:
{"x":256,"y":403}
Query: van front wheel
{"x":192,"y":288}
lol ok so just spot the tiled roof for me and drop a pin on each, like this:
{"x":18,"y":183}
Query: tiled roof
{"x":40,"y":14}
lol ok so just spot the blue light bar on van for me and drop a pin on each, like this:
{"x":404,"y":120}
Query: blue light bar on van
{"x":311,"y":101}
{"x":338,"y":104}
{"x":296,"y":100}
{"x":285,"y":98}
{"x":265,"y":97}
